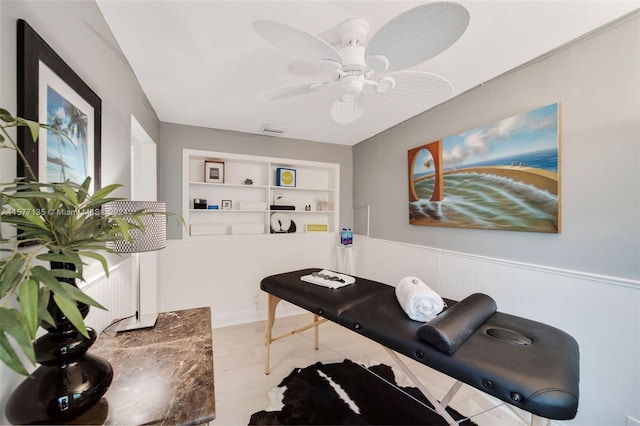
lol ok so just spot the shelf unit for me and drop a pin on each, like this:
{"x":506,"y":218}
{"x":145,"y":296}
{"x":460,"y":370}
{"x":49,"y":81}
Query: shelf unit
{"x":315,"y":196}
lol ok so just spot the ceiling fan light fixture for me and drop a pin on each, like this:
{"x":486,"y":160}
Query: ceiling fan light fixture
{"x":348,"y":108}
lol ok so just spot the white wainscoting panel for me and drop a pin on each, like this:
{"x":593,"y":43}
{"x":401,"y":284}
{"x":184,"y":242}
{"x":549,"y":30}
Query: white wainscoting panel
{"x":115,"y":293}
{"x":601,"y":313}
{"x":225,"y":273}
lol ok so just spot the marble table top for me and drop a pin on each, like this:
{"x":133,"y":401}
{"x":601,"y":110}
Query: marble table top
{"x":161,"y":375}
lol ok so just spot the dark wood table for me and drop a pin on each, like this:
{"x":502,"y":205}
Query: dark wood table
{"x":161,"y":375}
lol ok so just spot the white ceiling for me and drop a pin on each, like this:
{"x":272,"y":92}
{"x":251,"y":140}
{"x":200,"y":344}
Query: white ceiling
{"x":200,"y":62}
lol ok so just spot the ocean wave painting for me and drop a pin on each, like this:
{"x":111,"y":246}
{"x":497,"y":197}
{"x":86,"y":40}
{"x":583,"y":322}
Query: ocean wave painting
{"x":503,"y":175}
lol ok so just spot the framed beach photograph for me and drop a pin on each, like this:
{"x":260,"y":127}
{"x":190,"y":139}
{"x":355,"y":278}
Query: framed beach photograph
{"x":50,"y":92}
{"x":214,"y":171}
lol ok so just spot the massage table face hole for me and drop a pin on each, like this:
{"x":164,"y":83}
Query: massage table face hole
{"x":509,"y":336}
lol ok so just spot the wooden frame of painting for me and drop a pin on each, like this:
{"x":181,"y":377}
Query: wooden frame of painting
{"x":50,"y":92}
{"x":504,"y":175}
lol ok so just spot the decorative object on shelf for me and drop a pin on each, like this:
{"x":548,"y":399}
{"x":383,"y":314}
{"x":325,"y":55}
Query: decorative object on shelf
{"x":323,"y":206}
{"x":199,"y":203}
{"x":47,"y":85}
{"x":248,"y":181}
{"x":277,"y":207}
{"x":151,"y":238}
{"x":226,"y":204}
{"x":214,"y":171}
{"x":280,"y":202}
{"x":285,"y":177}
{"x":281,"y":223}
{"x":212,"y":207}
{"x":316,"y":227}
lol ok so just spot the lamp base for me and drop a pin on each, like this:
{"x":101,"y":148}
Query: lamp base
{"x":142,"y":321}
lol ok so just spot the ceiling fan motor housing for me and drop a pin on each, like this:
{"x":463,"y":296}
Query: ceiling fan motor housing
{"x":353,"y":31}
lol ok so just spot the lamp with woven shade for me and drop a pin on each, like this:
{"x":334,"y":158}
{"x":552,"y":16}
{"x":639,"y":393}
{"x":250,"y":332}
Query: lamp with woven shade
{"x":153,"y":236}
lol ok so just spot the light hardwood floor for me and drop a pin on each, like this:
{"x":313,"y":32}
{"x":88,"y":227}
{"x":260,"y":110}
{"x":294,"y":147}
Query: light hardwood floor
{"x":242,"y":386}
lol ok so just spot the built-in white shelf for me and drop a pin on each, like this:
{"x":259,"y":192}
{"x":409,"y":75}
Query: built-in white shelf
{"x":317,"y":187}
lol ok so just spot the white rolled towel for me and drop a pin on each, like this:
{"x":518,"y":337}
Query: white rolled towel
{"x":418,"y":300}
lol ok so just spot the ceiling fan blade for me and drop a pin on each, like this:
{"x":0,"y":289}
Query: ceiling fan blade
{"x":418,"y":34}
{"x":348,"y":108}
{"x":295,"y":90}
{"x":419,"y":87}
{"x":303,"y":45}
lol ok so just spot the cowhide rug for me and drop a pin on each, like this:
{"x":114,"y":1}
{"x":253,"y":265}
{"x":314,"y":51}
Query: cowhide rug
{"x":346,"y":394}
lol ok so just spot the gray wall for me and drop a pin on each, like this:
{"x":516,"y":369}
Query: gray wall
{"x":77,"y":31}
{"x":597,"y":82}
{"x":175,"y":137}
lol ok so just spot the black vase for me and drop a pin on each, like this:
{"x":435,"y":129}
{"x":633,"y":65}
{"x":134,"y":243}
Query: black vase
{"x":68,"y":381}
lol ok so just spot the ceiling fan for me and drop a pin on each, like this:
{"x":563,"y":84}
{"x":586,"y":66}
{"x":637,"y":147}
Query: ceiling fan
{"x":409,"y":39}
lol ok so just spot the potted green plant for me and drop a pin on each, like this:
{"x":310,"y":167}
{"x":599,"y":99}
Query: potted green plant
{"x":58,"y":226}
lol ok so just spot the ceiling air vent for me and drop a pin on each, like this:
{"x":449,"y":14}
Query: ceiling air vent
{"x":268,"y":129}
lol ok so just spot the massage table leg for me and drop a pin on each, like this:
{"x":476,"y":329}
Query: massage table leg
{"x":539,"y":421}
{"x":440,"y":409}
{"x":316,"y":331}
{"x":272,"y":303}
{"x":452,"y":392}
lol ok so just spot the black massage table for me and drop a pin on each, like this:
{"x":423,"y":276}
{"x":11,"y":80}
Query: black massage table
{"x":527,"y":364}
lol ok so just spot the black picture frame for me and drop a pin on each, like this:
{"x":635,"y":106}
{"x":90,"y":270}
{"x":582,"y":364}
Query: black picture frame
{"x":33,"y":53}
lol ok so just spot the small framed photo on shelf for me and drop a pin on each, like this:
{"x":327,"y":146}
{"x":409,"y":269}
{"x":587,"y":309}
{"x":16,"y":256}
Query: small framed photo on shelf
{"x":226,"y":204}
{"x":214,"y":171}
{"x":285,"y":176}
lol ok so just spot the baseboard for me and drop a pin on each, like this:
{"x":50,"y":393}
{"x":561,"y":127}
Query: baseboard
{"x":224,"y":320}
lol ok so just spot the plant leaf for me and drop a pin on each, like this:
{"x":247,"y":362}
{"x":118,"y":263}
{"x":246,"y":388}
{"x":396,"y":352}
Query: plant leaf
{"x":34,"y":127}
{"x":81,"y":297}
{"x":10,"y":274}
{"x":47,"y":278}
{"x":100,"y":196}
{"x":100,"y":258}
{"x":6,"y":116}
{"x":26,"y":210}
{"x":43,"y":305}
{"x":13,"y":325}
{"x":65,"y":273}
{"x":70,"y":310}
{"x":28,"y":297}
{"x":9,"y":356}
{"x":57,"y":257}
